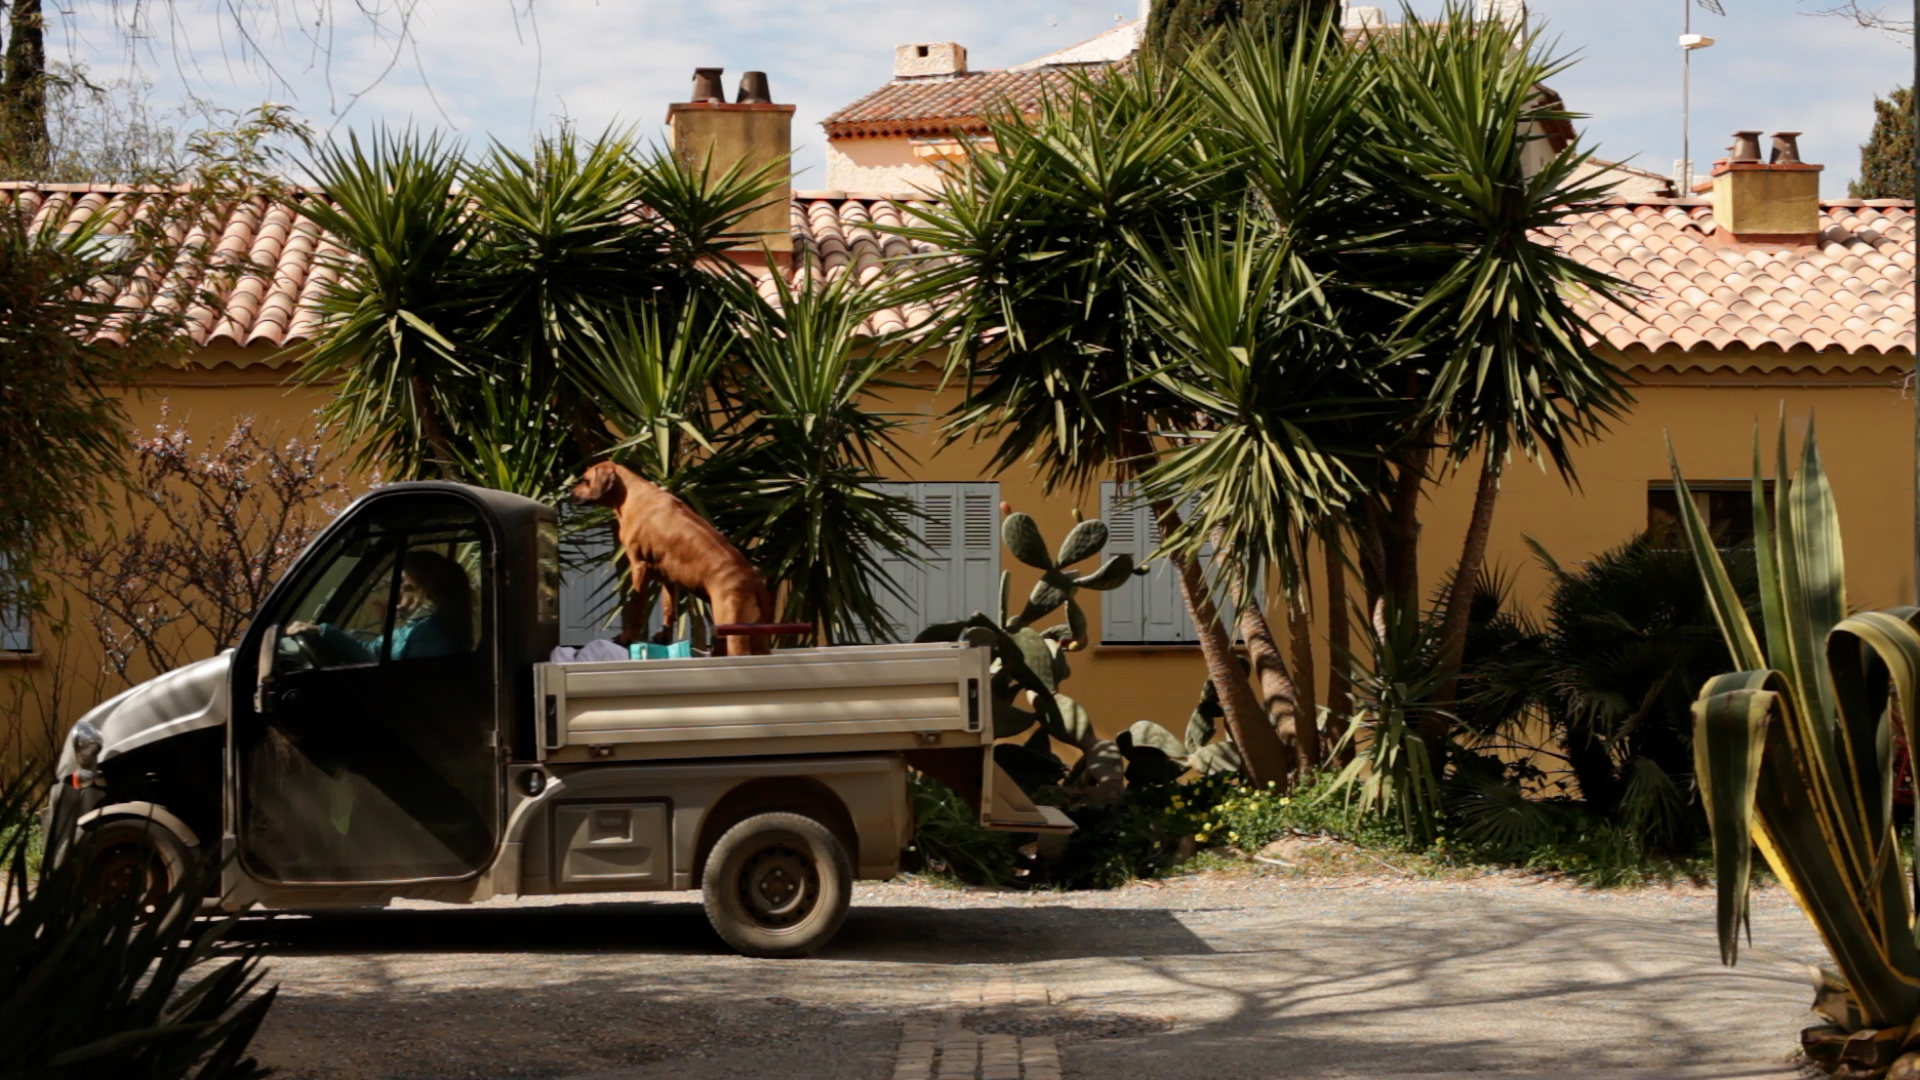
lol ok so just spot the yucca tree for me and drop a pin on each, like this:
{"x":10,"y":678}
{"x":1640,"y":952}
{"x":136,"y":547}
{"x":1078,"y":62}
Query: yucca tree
{"x":1795,"y":752}
{"x":1043,"y":246}
{"x":812,"y":447}
{"x":509,"y":272}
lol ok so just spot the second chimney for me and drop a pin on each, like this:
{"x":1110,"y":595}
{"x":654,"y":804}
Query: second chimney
{"x":1774,"y":201}
{"x":751,"y":132}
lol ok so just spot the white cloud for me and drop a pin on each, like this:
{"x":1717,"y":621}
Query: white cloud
{"x":500,"y":68}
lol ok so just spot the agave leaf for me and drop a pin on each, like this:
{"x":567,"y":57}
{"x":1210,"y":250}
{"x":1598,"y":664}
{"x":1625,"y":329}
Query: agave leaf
{"x":1086,"y":540}
{"x":1022,"y":537}
{"x":1729,"y":735}
{"x":1728,"y":609}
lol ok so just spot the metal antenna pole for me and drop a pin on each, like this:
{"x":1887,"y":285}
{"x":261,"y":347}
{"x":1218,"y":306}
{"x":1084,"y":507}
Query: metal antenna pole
{"x":1686,"y":102}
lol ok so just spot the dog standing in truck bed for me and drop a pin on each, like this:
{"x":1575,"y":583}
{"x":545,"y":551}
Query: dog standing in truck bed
{"x":666,"y":541}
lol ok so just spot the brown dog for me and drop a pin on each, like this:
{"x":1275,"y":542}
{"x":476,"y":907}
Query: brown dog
{"x":665,"y":539}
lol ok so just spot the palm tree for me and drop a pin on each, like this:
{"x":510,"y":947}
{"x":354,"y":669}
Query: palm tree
{"x":1041,"y":268}
{"x":510,"y":321}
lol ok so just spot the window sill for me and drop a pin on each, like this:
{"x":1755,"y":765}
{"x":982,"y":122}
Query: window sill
{"x":1148,"y":647}
{"x":19,"y":658}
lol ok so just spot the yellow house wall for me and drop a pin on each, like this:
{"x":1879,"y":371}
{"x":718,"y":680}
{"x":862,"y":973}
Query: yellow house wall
{"x":879,"y":165}
{"x":43,"y":692}
{"x":1864,"y":419}
{"x":1866,"y":432}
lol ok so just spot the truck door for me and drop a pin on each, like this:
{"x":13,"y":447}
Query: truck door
{"x":368,"y":752}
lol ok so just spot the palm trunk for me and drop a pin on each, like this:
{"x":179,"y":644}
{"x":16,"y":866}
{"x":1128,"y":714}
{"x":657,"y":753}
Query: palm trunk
{"x":1261,"y":751}
{"x":1339,"y":645}
{"x":1466,"y":577}
{"x":1402,"y":540}
{"x":1306,"y":710}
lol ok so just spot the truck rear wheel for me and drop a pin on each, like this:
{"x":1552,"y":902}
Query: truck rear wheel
{"x":778,"y":885}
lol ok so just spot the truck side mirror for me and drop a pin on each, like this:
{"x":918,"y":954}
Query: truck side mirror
{"x":263,"y":681}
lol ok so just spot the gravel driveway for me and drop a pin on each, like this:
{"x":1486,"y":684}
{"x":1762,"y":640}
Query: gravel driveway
{"x":1216,"y":976}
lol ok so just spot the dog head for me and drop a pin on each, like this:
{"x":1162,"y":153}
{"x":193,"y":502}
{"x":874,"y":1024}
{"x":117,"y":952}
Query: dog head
{"x":600,"y":485}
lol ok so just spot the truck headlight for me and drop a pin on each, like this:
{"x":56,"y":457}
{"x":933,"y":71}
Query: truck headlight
{"x":86,"y":745}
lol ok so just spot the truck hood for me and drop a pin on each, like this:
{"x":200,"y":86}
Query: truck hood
{"x":184,"y":699}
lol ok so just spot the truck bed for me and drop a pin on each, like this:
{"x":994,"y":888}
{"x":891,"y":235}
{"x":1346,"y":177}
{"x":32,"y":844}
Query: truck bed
{"x":846,"y":699}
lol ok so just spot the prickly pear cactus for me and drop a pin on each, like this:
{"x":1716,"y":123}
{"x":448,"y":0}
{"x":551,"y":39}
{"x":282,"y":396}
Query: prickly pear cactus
{"x":1154,"y":755}
{"x":1031,"y":664}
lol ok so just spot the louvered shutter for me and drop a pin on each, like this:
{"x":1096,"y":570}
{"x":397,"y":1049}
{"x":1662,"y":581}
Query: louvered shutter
{"x":903,"y":611}
{"x":16,"y":625}
{"x":1167,"y":622}
{"x":979,"y":550}
{"x":940,"y":536}
{"x":589,"y":600}
{"x":1123,"y":611}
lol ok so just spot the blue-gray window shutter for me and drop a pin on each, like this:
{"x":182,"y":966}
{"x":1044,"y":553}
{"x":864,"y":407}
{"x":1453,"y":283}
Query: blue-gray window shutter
{"x":589,"y":599}
{"x":16,"y":624}
{"x":958,"y":536}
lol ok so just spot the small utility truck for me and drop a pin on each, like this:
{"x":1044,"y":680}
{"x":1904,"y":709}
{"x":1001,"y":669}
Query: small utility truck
{"x":330,"y":760}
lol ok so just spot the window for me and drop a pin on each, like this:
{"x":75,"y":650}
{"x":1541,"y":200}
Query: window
{"x":390,"y":591}
{"x":590,"y":587}
{"x":1725,"y":505}
{"x":16,"y":623}
{"x":960,"y":540}
{"x":1146,"y":610}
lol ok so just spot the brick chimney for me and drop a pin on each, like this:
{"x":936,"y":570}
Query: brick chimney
{"x":1772,"y":201}
{"x":933,"y":58}
{"x":751,"y":132}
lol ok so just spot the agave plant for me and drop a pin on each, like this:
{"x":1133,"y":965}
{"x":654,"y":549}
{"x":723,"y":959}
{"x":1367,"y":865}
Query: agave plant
{"x":1795,"y":755}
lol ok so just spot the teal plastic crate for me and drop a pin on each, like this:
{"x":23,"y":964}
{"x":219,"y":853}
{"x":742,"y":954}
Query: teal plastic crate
{"x":644,"y":650}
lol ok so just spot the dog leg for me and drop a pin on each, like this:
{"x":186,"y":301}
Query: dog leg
{"x":633,"y":619}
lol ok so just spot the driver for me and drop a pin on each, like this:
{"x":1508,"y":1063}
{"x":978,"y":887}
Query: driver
{"x":434,"y":618}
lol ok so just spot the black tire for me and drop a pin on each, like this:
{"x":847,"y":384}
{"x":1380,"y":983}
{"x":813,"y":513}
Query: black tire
{"x":130,"y":853}
{"x":778,"y":885}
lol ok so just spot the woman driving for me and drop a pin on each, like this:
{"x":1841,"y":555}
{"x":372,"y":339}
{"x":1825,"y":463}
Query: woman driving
{"x":434,"y":618}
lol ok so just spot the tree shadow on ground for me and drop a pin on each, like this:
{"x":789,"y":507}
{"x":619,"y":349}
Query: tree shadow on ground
{"x":884,"y":934}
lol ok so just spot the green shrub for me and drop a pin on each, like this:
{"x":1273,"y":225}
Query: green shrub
{"x":89,"y":988}
{"x":949,"y":839}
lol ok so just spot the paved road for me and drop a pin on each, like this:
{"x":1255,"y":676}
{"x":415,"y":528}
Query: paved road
{"x":1214,"y":976}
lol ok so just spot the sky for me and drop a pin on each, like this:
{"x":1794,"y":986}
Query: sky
{"x":507,"y":68}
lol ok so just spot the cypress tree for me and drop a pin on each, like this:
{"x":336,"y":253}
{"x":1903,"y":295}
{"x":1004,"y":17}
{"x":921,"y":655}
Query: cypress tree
{"x":23,"y":92}
{"x":1886,"y":159}
{"x":1174,"y":27}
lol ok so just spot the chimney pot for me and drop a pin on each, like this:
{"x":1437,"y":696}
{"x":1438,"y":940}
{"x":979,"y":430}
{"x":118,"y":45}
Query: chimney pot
{"x":706,"y":86}
{"x":932,"y":58}
{"x":1776,"y":201}
{"x":754,"y":89}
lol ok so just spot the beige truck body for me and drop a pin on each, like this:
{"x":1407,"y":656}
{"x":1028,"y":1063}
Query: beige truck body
{"x":643,"y":764}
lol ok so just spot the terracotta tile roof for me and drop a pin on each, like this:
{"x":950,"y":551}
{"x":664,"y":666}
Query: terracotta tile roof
{"x":843,"y":234}
{"x":942,"y":104}
{"x":1852,"y":292}
{"x":1706,"y":303}
{"x":248,"y":275}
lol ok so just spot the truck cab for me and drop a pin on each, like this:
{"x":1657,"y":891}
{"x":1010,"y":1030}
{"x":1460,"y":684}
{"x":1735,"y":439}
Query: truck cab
{"x":389,"y":726}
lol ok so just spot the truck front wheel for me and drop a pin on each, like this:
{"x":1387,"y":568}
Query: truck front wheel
{"x":778,"y":885}
{"x":127,"y":855}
